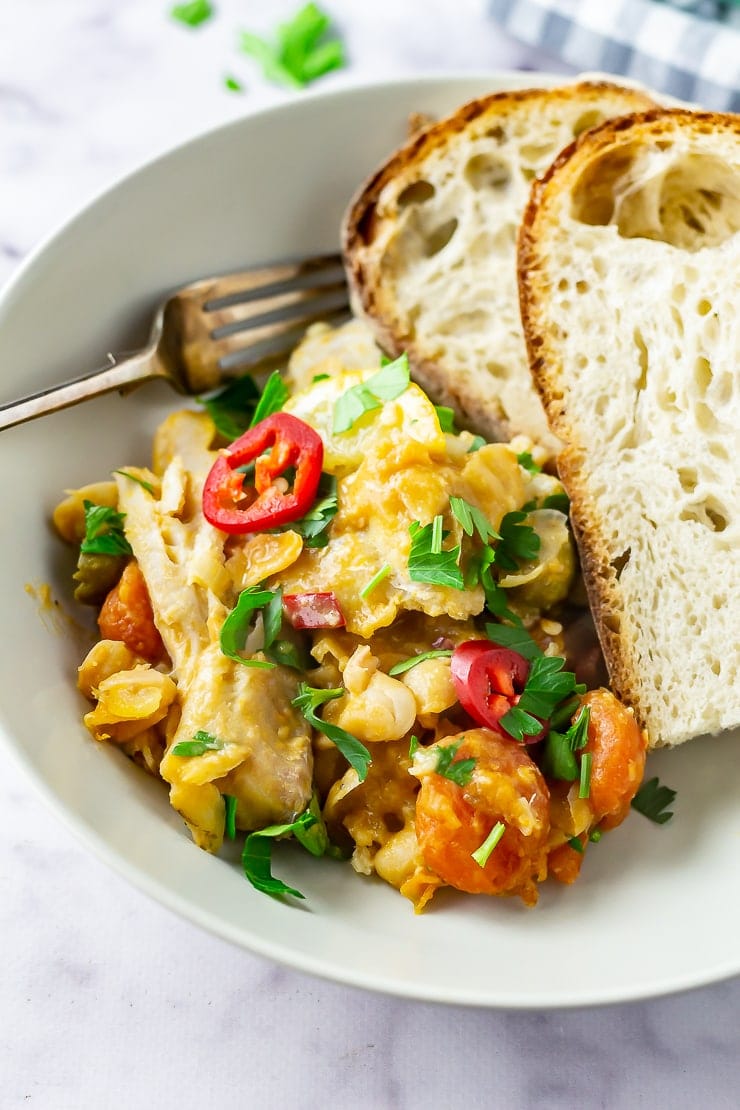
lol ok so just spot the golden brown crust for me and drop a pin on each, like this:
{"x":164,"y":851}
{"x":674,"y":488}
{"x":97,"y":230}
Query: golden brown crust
{"x":360,"y":227}
{"x":600,"y":574}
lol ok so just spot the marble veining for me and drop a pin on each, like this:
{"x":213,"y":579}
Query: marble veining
{"x":108,"y":1000}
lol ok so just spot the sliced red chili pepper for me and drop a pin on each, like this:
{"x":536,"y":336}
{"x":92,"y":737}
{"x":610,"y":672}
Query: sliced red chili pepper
{"x":313,"y":610}
{"x":293,"y":444}
{"x":489,"y":680}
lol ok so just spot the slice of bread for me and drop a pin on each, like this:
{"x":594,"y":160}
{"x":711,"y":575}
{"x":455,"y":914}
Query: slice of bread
{"x":629,"y":269}
{"x":430,"y":247}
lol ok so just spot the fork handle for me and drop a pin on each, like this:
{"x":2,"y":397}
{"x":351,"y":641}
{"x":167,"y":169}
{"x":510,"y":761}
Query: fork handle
{"x":138,"y":368}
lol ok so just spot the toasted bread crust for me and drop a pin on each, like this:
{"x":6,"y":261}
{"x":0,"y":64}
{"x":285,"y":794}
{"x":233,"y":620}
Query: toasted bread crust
{"x":480,"y":411}
{"x":602,"y":577}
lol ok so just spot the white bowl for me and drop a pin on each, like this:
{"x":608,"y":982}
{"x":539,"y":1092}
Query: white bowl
{"x":656,"y":908}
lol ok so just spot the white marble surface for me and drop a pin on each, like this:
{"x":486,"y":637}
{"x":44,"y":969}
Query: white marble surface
{"x":107,"y":1000}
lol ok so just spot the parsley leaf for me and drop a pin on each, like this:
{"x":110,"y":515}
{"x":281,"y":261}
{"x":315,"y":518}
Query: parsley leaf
{"x":139,"y":481}
{"x":524,"y":458}
{"x":314,"y":526}
{"x":472,"y":520}
{"x":193,"y":13}
{"x":558,"y":761}
{"x":481,"y":855}
{"x":516,"y":639}
{"x":427,"y":565}
{"x":104,"y":531}
{"x":274,"y":396}
{"x":446,"y":417}
{"x":237,"y":626}
{"x":299,"y":56}
{"x":232,"y":408}
{"x":559,"y":501}
{"x":388,"y":383}
{"x":652,"y":801}
{"x":519,"y":542}
{"x":407,"y":664}
{"x":310,"y":832}
{"x":201,"y":743}
{"x":461,"y":771}
{"x":546,"y":687}
{"x":308,"y":701}
{"x":233,"y":84}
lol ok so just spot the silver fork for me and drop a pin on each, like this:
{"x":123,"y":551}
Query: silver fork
{"x":211,"y":330}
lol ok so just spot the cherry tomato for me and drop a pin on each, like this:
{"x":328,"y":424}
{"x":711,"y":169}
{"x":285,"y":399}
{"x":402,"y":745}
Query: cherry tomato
{"x":489,"y":680}
{"x":127,"y":615}
{"x":293,"y":444}
{"x":321,"y":610}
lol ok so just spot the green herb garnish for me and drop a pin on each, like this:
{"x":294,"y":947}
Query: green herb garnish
{"x":139,"y":481}
{"x":193,"y":13}
{"x":481,"y":855}
{"x":239,"y":623}
{"x":519,"y":542}
{"x":308,"y":701}
{"x":314,"y":526}
{"x":413,"y":746}
{"x":459,"y":772}
{"x":388,"y":383}
{"x":232,"y":408}
{"x":652,"y":801}
{"x":446,"y":417}
{"x":558,"y":760}
{"x":230,"y":820}
{"x":576,"y":844}
{"x":104,"y":531}
{"x":232,"y":84}
{"x":516,"y":639}
{"x":274,"y":396}
{"x":559,"y":501}
{"x":478,"y":442}
{"x":299,"y":55}
{"x":584,"y":785}
{"x":201,"y":743}
{"x":595,"y":836}
{"x":320,"y":378}
{"x":546,"y":687}
{"x":577,"y":734}
{"x":472,"y":520}
{"x":376,"y":580}
{"x":524,"y":458}
{"x":407,"y":664}
{"x":440,"y":568}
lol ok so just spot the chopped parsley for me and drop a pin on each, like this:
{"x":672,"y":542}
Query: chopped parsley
{"x":407,"y":664}
{"x":230,"y":821}
{"x":446,"y":417}
{"x":460,"y":771}
{"x":201,"y":743}
{"x":546,"y":687}
{"x":388,"y":383}
{"x":139,"y":481}
{"x":320,"y":378}
{"x":519,"y":542}
{"x":437,"y":567}
{"x":481,"y":855}
{"x":376,"y":579}
{"x":301,"y":52}
{"x":576,"y":844}
{"x":558,"y":760}
{"x":104,"y":531}
{"x":232,"y":408}
{"x":193,"y":13}
{"x":559,"y":501}
{"x":524,"y":458}
{"x":232,"y":84}
{"x":652,"y":801}
{"x":308,"y":701}
{"x":472,"y":520}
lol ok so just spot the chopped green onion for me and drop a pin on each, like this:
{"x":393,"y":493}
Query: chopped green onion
{"x":595,"y":836}
{"x":139,"y":481}
{"x":376,"y":580}
{"x":407,"y":664}
{"x":446,"y":417}
{"x":230,"y":822}
{"x":584,"y":786}
{"x":413,"y":746}
{"x":436,"y":535}
{"x":481,"y":855}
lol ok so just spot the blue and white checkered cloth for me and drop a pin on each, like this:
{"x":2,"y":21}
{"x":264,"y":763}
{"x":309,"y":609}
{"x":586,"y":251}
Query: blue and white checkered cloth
{"x":670,"y":50}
